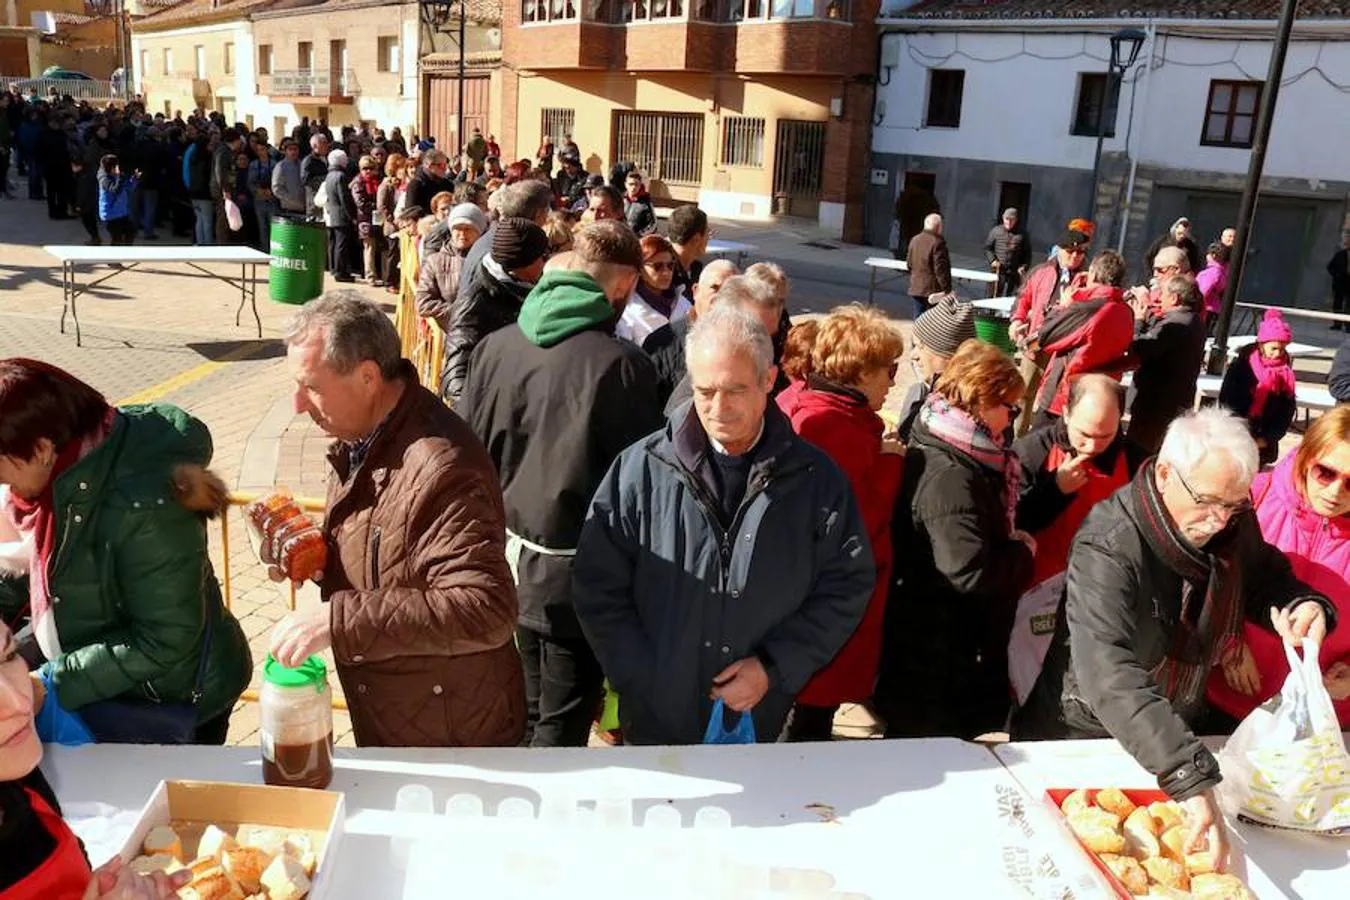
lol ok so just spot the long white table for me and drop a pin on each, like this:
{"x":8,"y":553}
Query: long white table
{"x":1273,"y":863}
{"x":731,"y":248}
{"x":122,"y":259}
{"x":876,"y":263}
{"x":911,"y":817}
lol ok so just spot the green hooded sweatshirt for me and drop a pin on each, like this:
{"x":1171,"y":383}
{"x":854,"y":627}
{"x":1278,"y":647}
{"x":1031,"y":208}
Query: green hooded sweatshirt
{"x":563,"y":303}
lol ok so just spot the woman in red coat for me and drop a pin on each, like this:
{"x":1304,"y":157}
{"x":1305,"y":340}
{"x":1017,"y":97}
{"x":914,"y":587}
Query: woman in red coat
{"x":853,"y":366}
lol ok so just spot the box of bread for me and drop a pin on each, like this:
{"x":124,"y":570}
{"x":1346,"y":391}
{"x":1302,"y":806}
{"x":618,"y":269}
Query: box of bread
{"x":241,"y":841}
{"x":1137,"y":839}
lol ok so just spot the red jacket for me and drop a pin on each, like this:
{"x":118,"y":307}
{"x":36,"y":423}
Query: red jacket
{"x":839,"y":422}
{"x":1097,"y":343}
{"x":1318,"y":550}
{"x":1040,"y":294}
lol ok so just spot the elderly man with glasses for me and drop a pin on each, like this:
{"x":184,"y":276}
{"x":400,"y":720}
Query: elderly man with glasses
{"x":1046,"y":287}
{"x":1161,"y":578}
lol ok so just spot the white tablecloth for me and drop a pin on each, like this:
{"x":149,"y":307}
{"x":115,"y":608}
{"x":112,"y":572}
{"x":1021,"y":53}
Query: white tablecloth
{"x":1274,"y":863}
{"x":912,"y":815}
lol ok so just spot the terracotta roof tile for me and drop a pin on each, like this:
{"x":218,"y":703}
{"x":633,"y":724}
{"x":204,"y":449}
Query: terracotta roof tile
{"x":1111,"y":9}
{"x":188,"y":10}
{"x":68,"y":18}
{"x":486,"y":12}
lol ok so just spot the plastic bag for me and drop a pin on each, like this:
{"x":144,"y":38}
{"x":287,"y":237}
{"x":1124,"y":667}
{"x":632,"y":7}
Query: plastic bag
{"x":57,"y":725}
{"x":1286,"y":765}
{"x":718,"y":733}
{"x":1033,"y":629}
{"x":233,"y":216}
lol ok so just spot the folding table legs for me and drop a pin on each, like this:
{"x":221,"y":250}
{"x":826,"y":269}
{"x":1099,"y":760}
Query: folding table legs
{"x":68,"y":299}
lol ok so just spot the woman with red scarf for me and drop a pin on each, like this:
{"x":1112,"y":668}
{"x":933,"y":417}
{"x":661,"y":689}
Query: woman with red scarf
{"x":1259,"y":386}
{"x":103,"y":552}
{"x":365,"y":190}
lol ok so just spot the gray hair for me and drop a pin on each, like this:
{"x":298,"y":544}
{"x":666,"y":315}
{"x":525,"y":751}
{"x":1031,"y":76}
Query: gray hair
{"x":337,"y":159}
{"x":715,"y":269}
{"x":931,"y":221}
{"x":353,"y":329}
{"x":318,"y":140}
{"x":745,"y":292}
{"x":528,"y":199}
{"x":434,"y":158}
{"x":727,"y":328}
{"x":772,"y":275}
{"x":1175,"y":256}
{"x":1194,"y":435}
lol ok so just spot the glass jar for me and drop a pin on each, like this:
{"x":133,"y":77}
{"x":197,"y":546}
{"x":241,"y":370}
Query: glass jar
{"x":296,"y":732}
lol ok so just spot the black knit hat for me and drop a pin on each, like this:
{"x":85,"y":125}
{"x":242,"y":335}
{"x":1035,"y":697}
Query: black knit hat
{"x":945,"y":326}
{"x":518,"y":242}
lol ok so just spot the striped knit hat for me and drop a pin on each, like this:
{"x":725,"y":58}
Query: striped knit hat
{"x":945,"y":326}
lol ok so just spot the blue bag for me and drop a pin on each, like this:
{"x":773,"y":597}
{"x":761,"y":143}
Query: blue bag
{"x":55,"y":725}
{"x":718,"y":733}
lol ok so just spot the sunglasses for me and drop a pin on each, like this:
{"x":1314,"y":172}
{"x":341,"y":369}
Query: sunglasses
{"x":1163,"y":270}
{"x":661,"y":266}
{"x":1325,"y":476}
{"x":1076,"y":251}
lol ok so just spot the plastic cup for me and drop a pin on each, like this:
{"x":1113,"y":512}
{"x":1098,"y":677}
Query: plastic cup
{"x":411,"y":800}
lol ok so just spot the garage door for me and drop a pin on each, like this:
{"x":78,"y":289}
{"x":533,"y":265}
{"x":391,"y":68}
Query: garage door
{"x":441,"y":115}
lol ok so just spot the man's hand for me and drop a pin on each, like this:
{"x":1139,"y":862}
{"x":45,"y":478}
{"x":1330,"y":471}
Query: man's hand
{"x":115,"y":881}
{"x":1139,"y":301}
{"x":1020,"y":535}
{"x":1206,"y":832}
{"x":1308,"y":620}
{"x":1337,"y":681}
{"x":995,"y":266}
{"x":1072,"y":474}
{"x":1241,"y":672}
{"x":1017,"y":332}
{"x":890,"y":445}
{"x":300,"y":635}
{"x":742,"y":684}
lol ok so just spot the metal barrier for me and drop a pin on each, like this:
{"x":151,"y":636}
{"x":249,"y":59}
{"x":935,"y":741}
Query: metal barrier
{"x":422,"y":340}
{"x":78,"y":88}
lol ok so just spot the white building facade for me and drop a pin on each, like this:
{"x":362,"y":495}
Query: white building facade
{"x":992,"y":111}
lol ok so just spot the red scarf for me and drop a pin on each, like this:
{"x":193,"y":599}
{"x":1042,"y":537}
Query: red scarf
{"x":370,"y":182}
{"x":1272,"y":377}
{"x":38,"y":517}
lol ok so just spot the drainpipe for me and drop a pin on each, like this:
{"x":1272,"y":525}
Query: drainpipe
{"x":871,"y":130}
{"x":1152,"y":31}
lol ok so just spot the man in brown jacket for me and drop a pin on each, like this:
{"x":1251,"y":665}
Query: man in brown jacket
{"x":930,"y":266}
{"x":419,"y":606}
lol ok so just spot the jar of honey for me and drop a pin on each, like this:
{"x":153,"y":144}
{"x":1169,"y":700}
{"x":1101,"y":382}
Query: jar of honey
{"x":296,"y":731}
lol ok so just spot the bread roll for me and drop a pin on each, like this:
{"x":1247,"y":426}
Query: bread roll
{"x":1098,"y":830}
{"x":1128,"y":870}
{"x":1168,"y":814}
{"x":297,"y":845}
{"x":1168,"y":873}
{"x":215,"y":842}
{"x":159,"y":862}
{"x":309,"y":862}
{"x":1141,"y":834}
{"x":1173,"y":842}
{"x":1201,"y":863}
{"x":271,"y":841}
{"x":163,"y":840}
{"x":214,"y":885}
{"x":1075,"y":802}
{"x":246,"y":865}
{"x":203,"y":864}
{"x":285,"y":879}
{"x":1115,"y":802}
{"x":1219,"y":887}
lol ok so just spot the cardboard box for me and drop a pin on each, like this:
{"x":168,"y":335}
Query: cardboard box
{"x":190,"y":806}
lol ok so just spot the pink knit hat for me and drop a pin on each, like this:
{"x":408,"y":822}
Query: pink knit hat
{"x":1274,"y":328}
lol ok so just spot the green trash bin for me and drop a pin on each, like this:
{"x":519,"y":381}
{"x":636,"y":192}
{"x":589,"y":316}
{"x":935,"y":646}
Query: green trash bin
{"x":994,"y":330}
{"x":299,"y":251}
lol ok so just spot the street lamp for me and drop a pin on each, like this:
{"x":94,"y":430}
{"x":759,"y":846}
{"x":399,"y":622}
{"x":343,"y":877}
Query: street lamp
{"x":437,"y":14}
{"x":1125,"y":46}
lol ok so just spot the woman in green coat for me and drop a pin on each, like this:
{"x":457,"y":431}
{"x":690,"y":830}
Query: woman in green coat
{"x":103,"y":552}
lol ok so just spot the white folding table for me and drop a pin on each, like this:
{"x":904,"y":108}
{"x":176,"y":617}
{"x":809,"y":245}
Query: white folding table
{"x":875,"y":263}
{"x":122,"y":259}
{"x":731,"y":248}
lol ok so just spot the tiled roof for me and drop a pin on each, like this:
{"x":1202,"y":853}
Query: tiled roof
{"x":68,"y":18}
{"x":1111,"y":9}
{"x":485,"y":12}
{"x":187,"y":11}
{"x":448,"y":62}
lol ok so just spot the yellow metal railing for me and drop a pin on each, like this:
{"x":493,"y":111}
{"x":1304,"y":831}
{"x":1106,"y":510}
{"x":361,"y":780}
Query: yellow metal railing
{"x":422,"y":340}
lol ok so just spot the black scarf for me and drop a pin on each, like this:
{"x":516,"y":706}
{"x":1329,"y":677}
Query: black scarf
{"x":1208,"y":578}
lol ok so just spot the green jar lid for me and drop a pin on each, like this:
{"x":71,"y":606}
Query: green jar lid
{"x":311,"y":673}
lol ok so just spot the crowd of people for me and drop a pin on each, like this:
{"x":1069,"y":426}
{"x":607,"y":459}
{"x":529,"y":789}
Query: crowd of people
{"x":637,"y":474}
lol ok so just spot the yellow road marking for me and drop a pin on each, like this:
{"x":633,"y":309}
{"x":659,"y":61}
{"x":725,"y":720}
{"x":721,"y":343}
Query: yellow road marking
{"x":196,"y":373}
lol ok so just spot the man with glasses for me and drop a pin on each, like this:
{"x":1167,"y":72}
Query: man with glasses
{"x":1169,"y":343}
{"x":1161,"y":578}
{"x":430,"y":179}
{"x":1046,"y":287}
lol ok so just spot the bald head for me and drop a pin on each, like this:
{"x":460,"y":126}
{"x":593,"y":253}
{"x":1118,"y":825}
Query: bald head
{"x":932,"y":222}
{"x":710,"y":282}
{"x":1092,"y":415}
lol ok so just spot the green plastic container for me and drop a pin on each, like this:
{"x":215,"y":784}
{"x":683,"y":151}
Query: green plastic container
{"x":299,"y":251}
{"x":994,"y":330}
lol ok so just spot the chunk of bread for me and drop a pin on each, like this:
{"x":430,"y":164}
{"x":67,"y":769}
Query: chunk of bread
{"x":1075,"y":802}
{"x":1098,"y":830}
{"x":246,"y":865}
{"x":158,"y":862}
{"x":1211,"y":886}
{"x":1163,"y":892}
{"x":271,"y":841}
{"x":215,"y":842}
{"x":309,"y":862}
{"x":203,"y":864}
{"x":1168,"y":873}
{"x":1115,"y":802}
{"x":1173,"y":842}
{"x":1128,"y":870}
{"x":1168,"y":814}
{"x":163,"y":840}
{"x":285,"y":879}
{"x":214,"y":885}
{"x":297,"y":845}
{"x":1141,"y":834}
{"x":1201,"y":863}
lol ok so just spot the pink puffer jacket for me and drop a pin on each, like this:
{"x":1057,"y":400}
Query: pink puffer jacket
{"x":1319,"y":551}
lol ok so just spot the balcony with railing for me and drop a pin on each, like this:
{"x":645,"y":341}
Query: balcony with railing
{"x":327,"y":87}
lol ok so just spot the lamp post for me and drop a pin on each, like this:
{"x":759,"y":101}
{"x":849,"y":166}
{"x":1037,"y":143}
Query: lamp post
{"x":1125,"y":46}
{"x":436,"y":14}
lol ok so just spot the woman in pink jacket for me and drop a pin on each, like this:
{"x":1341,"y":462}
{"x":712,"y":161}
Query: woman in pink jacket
{"x":1303,"y":505}
{"x":1212,"y":281}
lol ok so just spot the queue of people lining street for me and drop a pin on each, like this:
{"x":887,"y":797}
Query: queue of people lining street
{"x":639,"y":477}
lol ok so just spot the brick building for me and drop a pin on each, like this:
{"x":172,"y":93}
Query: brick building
{"x":194,"y":53}
{"x":21,"y":43}
{"x":750,"y":107}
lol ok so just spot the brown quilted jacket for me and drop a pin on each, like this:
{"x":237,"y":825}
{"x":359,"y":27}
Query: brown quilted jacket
{"x":423,"y":604}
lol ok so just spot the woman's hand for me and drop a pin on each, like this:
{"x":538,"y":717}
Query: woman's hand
{"x":1308,"y":620}
{"x":1337,"y":681}
{"x":1241,"y":672}
{"x":114,"y":880}
{"x":892,"y":446}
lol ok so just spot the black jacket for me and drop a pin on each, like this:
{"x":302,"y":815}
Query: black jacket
{"x":570,"y":187}
{"x":474,"y":258}
{"x":1117,"y":622}
{"x":665,"y":346}
{"x":1339,"y":270}
{"x":553,"y":419}
{"x":1041,"y":501}
{"x":1170,"y":351}
{"x":958,"y":577}
{"x":640,"y":214}
{"x":1191,"y":248}
{"x":1010,"y":249}
{"x":199,"y":171}
{"x":313,"y":171}
{"x":668,"y":598}
{"x":1338,"y":382}
{"x":24,"y":843}
{"x":488,"y":305}
{"x":1239,"y":384}
{"x":424,"y":186}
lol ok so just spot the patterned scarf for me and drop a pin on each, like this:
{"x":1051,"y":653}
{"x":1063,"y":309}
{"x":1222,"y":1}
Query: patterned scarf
{"x":1273,"y":377}
{"x":972,"y":437}
{"x":1208,"y":578}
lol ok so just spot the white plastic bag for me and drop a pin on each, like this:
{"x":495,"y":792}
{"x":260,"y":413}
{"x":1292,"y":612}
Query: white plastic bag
{"x":1286,"y":766}
{"x":1033,"y":628}
{"x":233,"y":216}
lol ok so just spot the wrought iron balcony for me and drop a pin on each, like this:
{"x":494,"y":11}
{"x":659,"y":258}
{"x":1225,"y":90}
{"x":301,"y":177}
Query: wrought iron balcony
{"x":313,"y":85}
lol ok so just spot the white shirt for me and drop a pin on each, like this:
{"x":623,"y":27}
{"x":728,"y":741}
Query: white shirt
{"x":640,"y":319}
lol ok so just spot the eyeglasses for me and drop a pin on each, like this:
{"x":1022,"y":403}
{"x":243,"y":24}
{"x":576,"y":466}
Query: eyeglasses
{"x":1075,"y":251}
{"x":1163,"y":270}
{"x":661,"y":266}
{"x":1214,"y":503}
{"x":1325,"y":475}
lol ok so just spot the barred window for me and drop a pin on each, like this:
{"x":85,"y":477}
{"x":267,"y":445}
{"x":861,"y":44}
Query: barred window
{"x":664,"y":146}
{"x":548,"y":10}
{"x":555,"y":123}
{"x":743,"y":142}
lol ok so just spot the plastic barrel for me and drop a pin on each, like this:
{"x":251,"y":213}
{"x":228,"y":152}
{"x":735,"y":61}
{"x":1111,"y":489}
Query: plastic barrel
{"x":993,"y":330}
{"x":296,"y":270}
